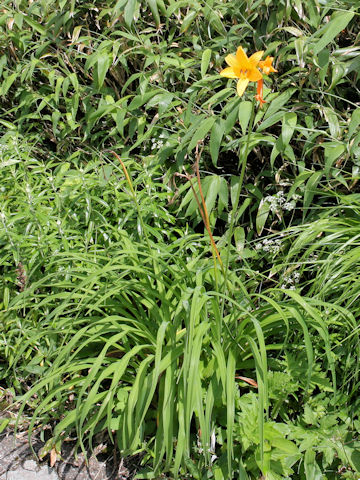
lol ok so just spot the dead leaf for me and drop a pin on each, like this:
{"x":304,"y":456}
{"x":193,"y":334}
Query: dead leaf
{"x":10,"y":23}
{"x":250,"y":381}
{"x":53,"y":457}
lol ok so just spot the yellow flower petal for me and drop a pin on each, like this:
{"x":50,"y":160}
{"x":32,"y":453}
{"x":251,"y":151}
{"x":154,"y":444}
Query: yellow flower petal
{"x":232,"y":61}
{"x":228,"y":73}
{"x":241,"y":85}
{"x":242,"y":59}
{"x":255,"y":58}
{"x":254,"y":75}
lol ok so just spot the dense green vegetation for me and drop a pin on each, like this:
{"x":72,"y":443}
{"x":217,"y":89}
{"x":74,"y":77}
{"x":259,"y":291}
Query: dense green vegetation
{"x":212,"y":343}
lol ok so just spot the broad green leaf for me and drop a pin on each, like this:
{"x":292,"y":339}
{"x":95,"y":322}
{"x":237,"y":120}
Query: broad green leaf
{"x":355,"y":146}
{"x":162,"y":7}
{"x":353,"y":66}
{"x":59,"y":82}
{"x":332,"y":120}
{"x":245,"y":108}
{"x":285,"y":445}
{"x":276,"y":117}
{"x":175,"y":6}
{"x":65,"y":86}
{"x":35,"y":25}
{"x":262,"y":215}
{"x":332,"y":151}
{"x":154,"y":10}
{"x":288,"y":127}
{"x":299,"y":44}
{"x":279,"y":102}
{"x":146,"y":474}
{"x":216,"y":23}
{"x":4,"y":423}
{"x":231,"y":118}
{"x":7,"y":83}
{"x":19,"y":19}
{"x":239,"y":236}
{"x":6,"y":294}
{"x":219,"y":97}
{"x":353,"y":454}
{"x":242,"y":472}
{"x":130,"y":11}
{"x":338,"y":73}
{"x":313,"y":13}
{"x":139,"y":100}
{"x":8,"y":125}
{"x":299,"y":180}
{"x":223,"y":195}
{"x":212,"y":193}
{"x":161,"y":100}
{"x":296,"y":32}
{"x":310,"y":189}
{"x":338,"y":22}
{"x":205,"y":60}
{"x":312,"y":469}
{"x":354,"y":122}
{"x":74,"y":80}
{"x":100,"y":112}
{"x":289,"y":154}
{"x":216,"y":136}
{"x":190,"y":17}
{"x":275,"y":152}
{"x":103,"y":64}
{"x":234,"y":188}
{"x":201,"y":132}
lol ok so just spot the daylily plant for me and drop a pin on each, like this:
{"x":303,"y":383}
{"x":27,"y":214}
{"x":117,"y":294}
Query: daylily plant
{"x":245,"y":69}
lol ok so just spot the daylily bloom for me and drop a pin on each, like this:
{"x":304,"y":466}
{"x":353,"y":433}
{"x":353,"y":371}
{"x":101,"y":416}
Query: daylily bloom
{"x":259,"y":92}
{"x":266,"y":66}
{"x":243,"y":68}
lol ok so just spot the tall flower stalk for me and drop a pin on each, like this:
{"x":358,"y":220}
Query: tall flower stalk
{"x":246,"y":70}
{"x":237,"y":196}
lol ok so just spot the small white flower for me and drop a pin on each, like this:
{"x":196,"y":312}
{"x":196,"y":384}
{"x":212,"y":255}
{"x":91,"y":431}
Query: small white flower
{"x":289,"y":206}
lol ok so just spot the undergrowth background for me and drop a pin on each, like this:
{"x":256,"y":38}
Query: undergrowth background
{"x":115,"y":320}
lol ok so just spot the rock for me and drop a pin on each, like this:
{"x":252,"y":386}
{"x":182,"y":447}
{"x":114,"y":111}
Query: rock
{"x":16,"y":462}
{"x":43,"y":473}
{"x":30,"y":465}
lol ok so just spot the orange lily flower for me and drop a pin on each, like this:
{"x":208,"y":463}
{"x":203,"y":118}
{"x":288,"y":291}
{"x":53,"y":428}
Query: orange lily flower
{"x":266,"y":66}
{"x":243,"y":68}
